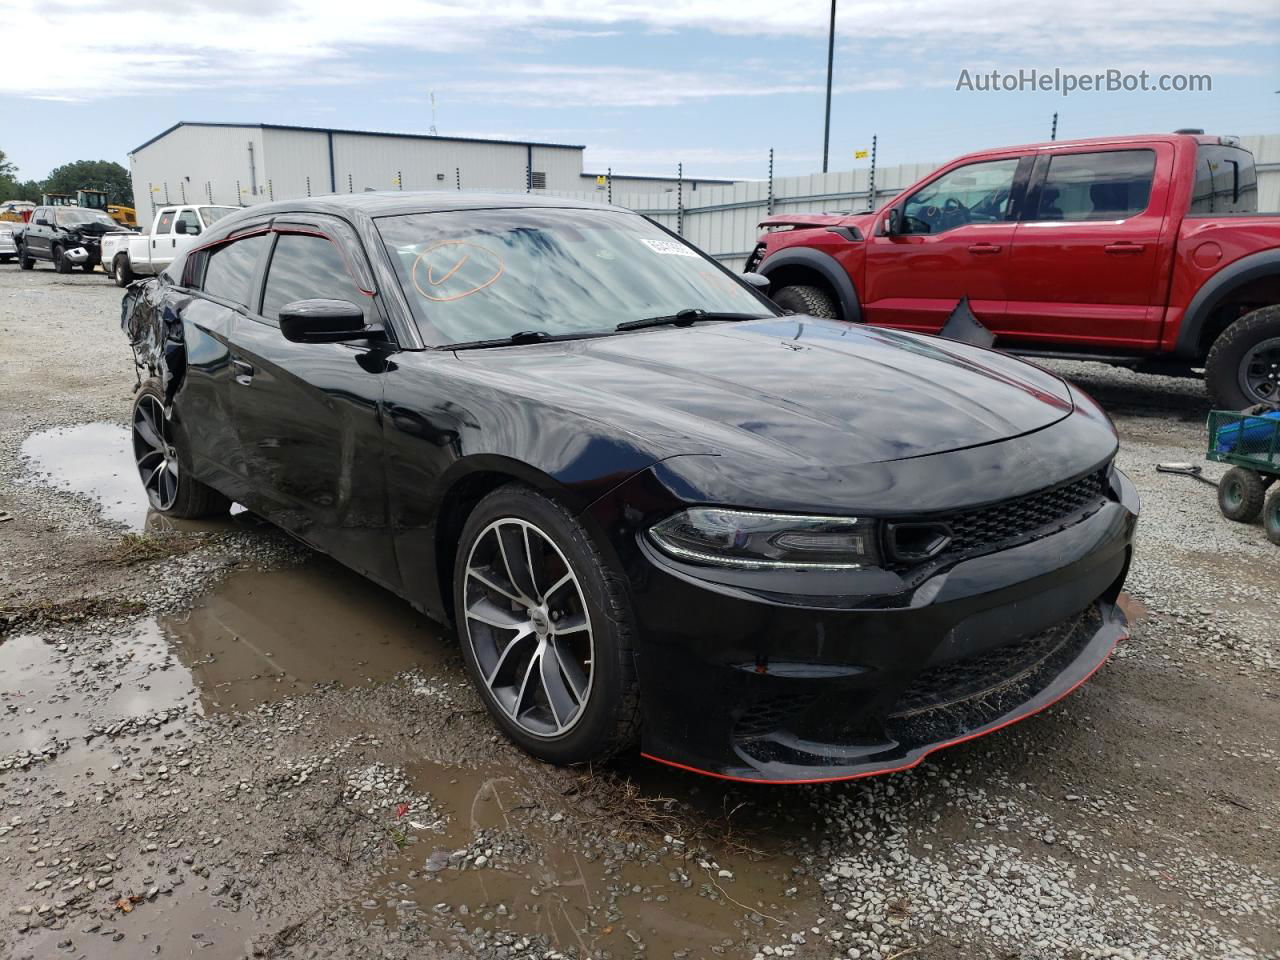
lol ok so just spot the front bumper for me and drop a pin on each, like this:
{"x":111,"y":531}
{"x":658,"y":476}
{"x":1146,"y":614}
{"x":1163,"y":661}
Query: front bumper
{"x":745,"y":684}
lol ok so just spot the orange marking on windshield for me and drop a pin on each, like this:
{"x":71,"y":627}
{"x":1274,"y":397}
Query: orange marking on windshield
{"x":485,"y":256}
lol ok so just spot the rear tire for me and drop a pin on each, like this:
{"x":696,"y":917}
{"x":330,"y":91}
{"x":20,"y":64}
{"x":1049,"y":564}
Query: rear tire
{"x":527,"y":638}
{"x":1240,"y":495}
{"x":803,"y":298}
{"x":1271,"y":517}
{"x":121,"y":272}
{"x":1242,"y":366}
{"x":171,"y":490}
{"x":6,"y":258}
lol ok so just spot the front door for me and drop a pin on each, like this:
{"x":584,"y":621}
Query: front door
{"x":1086,"y":253}
{"x":161,"y":242}
{"x":955,"y":239}
{"x":308,"y":414}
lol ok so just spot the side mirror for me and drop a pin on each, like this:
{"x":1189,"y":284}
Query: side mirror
{"x":758,"y":281}
{"x":891,"y":222}
{"x":180,"y":226}
{"x":325,"y":321}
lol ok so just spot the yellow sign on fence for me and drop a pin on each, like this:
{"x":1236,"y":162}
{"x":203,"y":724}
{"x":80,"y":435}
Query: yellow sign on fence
{"x":601,"y":181}
{"x":861,"y":154}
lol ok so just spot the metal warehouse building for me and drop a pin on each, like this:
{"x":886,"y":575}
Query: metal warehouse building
{"x":237,"y":163}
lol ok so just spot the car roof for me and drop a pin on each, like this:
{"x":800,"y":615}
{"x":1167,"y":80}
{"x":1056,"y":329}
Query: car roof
{"x":398,"y":202}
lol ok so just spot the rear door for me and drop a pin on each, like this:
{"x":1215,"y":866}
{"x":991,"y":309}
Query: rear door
{"x":220,"y":279}
{"x":958,"y":230}
{"x":1084,"y":267}
{"x":308,"y":415}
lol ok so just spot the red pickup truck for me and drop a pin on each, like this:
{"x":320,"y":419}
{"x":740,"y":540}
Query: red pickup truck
{"x":1144,"y":251}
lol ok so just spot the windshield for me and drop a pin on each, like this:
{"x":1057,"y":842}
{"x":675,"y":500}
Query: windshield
{"x":211,"y":215}
{"x":76,"y":216}
{"x":488,"y":274}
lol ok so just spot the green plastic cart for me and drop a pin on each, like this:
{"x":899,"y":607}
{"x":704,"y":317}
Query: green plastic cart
{"x":1250,"y":442}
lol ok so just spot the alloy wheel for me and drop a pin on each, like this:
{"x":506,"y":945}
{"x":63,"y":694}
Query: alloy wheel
{"x":1260,"y":371}
{"x":528,"y":627}
{"x":154,"y":452}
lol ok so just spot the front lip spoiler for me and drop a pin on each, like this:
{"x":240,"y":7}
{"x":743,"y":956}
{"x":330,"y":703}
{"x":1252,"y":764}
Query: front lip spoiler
{"x":1114,"y":629}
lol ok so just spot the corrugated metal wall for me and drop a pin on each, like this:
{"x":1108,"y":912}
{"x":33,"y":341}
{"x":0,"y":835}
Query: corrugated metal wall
{"x":214,"y":161}
{"x":196,"y":164}
{"x":722,"y":220}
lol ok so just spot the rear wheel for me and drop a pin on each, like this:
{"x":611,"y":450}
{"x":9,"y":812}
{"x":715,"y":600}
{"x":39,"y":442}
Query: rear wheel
{"x":803,"y":298}
{"x":545,"y":629}
{"x":170,"y":489}
{"x":1271,"y":516}
{"x":6,"y":258}
{"x":1243,"y":366}
{"x":1240,"y":494}
{"x":121,"y":272}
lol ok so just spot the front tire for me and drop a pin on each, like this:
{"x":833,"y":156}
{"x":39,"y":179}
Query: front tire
{"x":121,"y":272}
{"x":170,"y":489}
{"x":60,"y":262}
{"x":803,"y":298}
{"x":1243,"y":366}
{"x":1240,"y":494}
{"x":25,"y":262}
{"x":545,"y":629}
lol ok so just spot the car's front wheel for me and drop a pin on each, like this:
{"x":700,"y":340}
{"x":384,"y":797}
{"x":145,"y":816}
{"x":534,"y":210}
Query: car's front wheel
{"x":170,"y":489}
{"x":60,"y":261}
{"x":545,"y":628}
{"x":25,"y":262}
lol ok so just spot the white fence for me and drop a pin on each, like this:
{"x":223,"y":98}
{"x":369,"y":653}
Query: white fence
{"x":723,"y":220}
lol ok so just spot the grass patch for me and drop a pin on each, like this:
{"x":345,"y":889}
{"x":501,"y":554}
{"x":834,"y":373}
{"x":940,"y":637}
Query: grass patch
{"x":67,"y":611}
{"x":134,"y":548}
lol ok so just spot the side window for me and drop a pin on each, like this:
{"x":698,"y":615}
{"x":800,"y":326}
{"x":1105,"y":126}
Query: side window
{"x":1226,"y":181}
{"x":305,"y":268}
{"x":1096,"y":186}
{"x":229,"y":269}
{"x":191,"y":221}
{"x":974,"y":193}
{"x":165,"y":223}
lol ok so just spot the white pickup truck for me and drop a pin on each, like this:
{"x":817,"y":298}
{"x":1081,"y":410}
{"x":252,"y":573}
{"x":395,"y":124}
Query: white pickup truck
{"x":126,"y":256}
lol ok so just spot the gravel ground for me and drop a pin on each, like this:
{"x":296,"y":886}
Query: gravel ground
{"x":216,"y":744}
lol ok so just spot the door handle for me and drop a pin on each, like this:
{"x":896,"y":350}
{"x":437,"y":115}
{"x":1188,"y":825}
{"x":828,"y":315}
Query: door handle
{"x":980,"y":248}
{"x":244,"y":372}
{"x":1124,"y":246}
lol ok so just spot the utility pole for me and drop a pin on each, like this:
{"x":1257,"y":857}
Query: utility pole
{"x":831,"y":57}
{"x":1053,"y":131}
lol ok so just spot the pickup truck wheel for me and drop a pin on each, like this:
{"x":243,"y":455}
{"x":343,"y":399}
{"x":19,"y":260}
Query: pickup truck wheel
{"x":1243,"y":366}
{"x":1240,"y":494}
{"x":60,"y":261}
{"x":120,"y":270}
{"x":88,"y":266}
{"x":25,"y":262}
{"x":802,"y":298}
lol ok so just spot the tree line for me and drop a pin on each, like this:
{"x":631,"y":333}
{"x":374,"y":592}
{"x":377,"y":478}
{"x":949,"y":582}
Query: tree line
{"x":105,"y":175}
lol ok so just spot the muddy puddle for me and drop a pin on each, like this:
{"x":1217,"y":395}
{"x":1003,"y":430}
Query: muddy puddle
{"x":260,"y":636}
{"x":505,"y":862}
{"x":95,"y":460}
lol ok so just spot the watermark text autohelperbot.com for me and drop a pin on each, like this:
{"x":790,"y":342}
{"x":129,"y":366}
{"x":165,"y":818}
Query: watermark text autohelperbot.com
{"x":1067,"y":82}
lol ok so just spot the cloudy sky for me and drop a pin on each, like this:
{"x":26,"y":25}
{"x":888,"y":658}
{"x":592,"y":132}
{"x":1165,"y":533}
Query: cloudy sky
{"x":712,"y":83}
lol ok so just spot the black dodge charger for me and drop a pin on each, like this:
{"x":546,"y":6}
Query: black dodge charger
{"x":656,"y":509}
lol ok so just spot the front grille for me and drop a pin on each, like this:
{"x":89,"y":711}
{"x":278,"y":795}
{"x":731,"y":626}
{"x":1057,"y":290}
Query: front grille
{"x":948,"y":700}
{"x":1023,"y":518}
{"x":769,"y":713}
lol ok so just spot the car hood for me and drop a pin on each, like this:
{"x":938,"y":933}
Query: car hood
{"x":794,"y":389}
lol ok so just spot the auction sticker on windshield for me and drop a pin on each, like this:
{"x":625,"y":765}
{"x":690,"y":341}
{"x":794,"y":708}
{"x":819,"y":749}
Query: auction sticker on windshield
{"x":669,"y":248}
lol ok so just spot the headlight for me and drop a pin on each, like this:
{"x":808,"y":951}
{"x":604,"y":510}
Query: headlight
{"x":767,"y":541}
